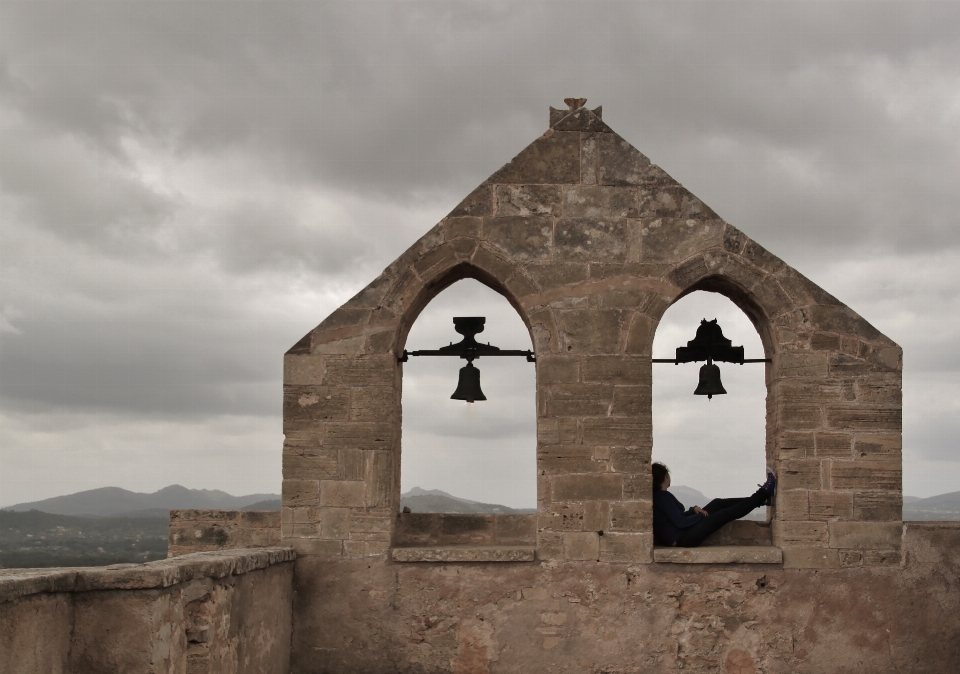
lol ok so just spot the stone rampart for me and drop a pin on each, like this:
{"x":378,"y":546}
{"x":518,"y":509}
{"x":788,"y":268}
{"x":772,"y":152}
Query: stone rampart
{"x":217,"y":613}
{"x":207,"y":530}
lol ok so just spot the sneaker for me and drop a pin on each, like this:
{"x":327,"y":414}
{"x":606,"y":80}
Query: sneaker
{"x":770,"y":486}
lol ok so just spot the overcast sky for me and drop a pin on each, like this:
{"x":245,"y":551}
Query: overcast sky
{"x":188,"y":188}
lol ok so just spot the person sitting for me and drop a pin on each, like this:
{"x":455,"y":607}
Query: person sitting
{"x":687,"y":529}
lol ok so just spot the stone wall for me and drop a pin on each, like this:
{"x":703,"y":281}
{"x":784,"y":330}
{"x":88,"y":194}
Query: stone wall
{"x":206,"y":530}
{"x":216,"y":613}
{"x":378,"y":617}
{"x":591,"y":243}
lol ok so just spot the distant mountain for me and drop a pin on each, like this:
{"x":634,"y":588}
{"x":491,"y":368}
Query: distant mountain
{"x":116,"y":502}
{"x":688,"y":496}
{"x":269,"y":504}
{"x":942,"y":507}
{"x":437,"y":501}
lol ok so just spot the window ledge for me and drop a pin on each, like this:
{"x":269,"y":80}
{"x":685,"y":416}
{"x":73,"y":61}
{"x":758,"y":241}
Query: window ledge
{"x":720,"y":554}
{"x":484,"y":553}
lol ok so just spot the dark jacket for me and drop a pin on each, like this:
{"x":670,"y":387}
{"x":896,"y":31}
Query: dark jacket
{"x":669,"y":518}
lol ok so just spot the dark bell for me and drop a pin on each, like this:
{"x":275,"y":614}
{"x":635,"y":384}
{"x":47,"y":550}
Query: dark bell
{"x":709,"y":382}
{"x":469,"y":386}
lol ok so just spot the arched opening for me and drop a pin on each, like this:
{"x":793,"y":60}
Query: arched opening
{"x":714,"y":448}
{"x":483,"y":454}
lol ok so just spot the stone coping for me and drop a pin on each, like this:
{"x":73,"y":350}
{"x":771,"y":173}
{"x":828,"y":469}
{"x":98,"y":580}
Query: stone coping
{"x":485,"y":553}
{"x":16,"y":583}
{"x":720,"y":554}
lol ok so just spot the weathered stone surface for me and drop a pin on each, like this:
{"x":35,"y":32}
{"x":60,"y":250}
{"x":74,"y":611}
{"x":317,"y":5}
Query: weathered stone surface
{"x":622,"y":164}
{"x":878,"y":506}
{"x":617,"y":370}
{"x":591,"y":331}
{"x":477,"y":203}
{"x":675,"y":239}
{"x":719,"y":554}
{"x":581,"y":546}
{"x":592,"y":239}
{"x":594,"y":201}
{"x":626,"y":548}
{"x":587,"y":487}
{"x":825,"y":505}
{"x":464,"y":554}
{"x":800,"y":534}
{"x":802,"y":364}
{"x":867,"y":475}
{"x":554,"y":158}
{"x":522,"y":238}
{"x":337,"y":493}
{"x":527,"y":200}
{"x":810,"y":558}
{"x":875,"y":535}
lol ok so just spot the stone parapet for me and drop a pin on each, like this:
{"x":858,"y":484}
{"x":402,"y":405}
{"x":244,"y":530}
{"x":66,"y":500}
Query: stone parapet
{"x":209,"y":530}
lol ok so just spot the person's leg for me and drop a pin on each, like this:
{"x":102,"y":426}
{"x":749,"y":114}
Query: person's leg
{"x":699,"y":532}
{"x":718,"y":504}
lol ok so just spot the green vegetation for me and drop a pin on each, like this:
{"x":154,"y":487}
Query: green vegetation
{"x":36,"y":539}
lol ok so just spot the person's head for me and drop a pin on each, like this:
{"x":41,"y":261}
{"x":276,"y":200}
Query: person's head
{"x":661,"y":476}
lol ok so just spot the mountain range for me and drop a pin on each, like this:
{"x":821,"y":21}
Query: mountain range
{"x":117,"y":502}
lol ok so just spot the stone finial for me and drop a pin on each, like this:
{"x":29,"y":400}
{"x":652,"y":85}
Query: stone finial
{"x":575,"y":103}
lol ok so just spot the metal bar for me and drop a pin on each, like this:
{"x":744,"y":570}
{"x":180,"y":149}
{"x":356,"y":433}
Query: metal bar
{"x":741,"y":362}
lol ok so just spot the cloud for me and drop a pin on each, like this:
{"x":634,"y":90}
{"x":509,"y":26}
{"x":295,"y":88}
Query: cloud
{"x":187,"y":189}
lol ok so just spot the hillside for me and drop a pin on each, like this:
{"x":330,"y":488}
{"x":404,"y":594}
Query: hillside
{"x":116,"y":502}
{"x":36,"y":539}
{"x":437,"y":501}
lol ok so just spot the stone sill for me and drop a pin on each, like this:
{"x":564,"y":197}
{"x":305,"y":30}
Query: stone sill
{"x":720,"y":554}
{"x":484,"y":553}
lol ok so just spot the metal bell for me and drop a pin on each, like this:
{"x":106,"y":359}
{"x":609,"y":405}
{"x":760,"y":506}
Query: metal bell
{"x":468,"y":388}
{"x":709,"y":382}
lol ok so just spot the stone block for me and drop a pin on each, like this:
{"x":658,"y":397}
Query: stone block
{"x":589,"y":158}
{"x":633,"y":460}
{"x":561,"y":517}
{"x":878,"y":446}
{"x":807,"y":391}
{"x":793,"y":504}
{"x":435,"y":262}
{"x":549,"y":545}
{"x":381,"y":479}
{"x":881,"y":558}
{"x":797,"y":445}
{"x":522,"y":238}
{"x":316,"y":547}
{"x":543,"y":329}
{"x":592,"y":331}
{"x":842,"y":320}
{"x":626,"y":548}
{"x":616,"y":431}
{"x":720,"y":554}
{"x":596,"y":515}
{"x":800,"y":534}
{"x":565,"y":459}
{"x":305,"y":407}
{"x":335,"y":523}
{"x":733,"y":239}
{"x":477,"y":203}
{"x":631,"y":400}
{"x":640,"y":335}
{"x":581,"y":546}
{"x":352,"y":464}
{"x":371,"y":522}
{"x":557,"y":370}
{"x":671,"y":240}
{"x":595,"y":201}
{"x":810,"y":558}
{"x":516,"y":529}
{"x":456,"y":529}
{"x":463,"y":554}
{"x":802,"y":364}
{"x":824,"y":341}
{"x":834,"y":445}
{"x":860,"y":418}
{"x":617,"y":370}
{"x":797,"y":416}
{"x":760,"y":257}
{"x":638,"y":487}
{"x":878,"y":506}
{"x":301,"y":493}
{"x":866,"y":535}
{"x":557,"y":431}
{"x":603,"y":487}
{"x":619,"y":163}
{"x":527,"y":200}
{"x":462,"y":226}
{"x":309,"y":463}
{"x":851,"y":558}
{"x":866,"y":475}
{"x":418,"y":529}
{"x":554,"y":274}
{"x":378,"y":370}
{"x":494,"y":263}
{"x":356,"y":549}
{"x":302,"y":370}
{"x":631,"y":515}
{"x":827,"y":505}
{"x":344,"y":494}
{"x":305,"y":529}
{"x":260,"y":519}
{"x":799,"y":474}
{"x":552,"y":159}
{"x":374,"y":403}
{"x":590,"y":240}
{"x":358,"y":435}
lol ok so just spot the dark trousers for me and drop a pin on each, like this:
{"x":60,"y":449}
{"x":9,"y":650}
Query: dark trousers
{"x":722,"y":510}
